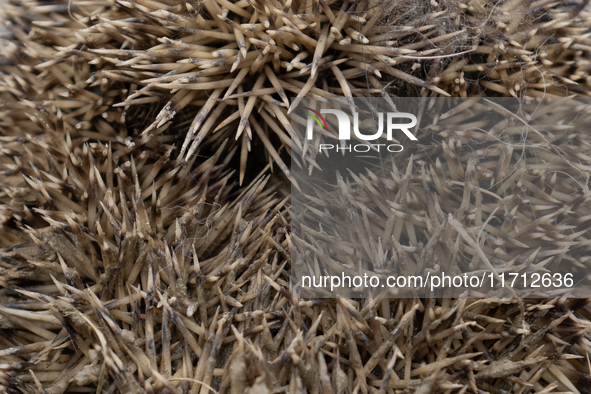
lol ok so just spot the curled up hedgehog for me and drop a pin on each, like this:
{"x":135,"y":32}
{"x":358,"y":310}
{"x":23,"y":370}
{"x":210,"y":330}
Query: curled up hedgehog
{"x":145,"y":172}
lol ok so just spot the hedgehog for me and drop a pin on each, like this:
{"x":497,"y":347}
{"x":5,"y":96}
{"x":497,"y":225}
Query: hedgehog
{"x":145,"y":208}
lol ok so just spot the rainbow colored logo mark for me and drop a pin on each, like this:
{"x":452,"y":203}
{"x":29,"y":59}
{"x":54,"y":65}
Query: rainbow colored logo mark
{"x":316,"y":113}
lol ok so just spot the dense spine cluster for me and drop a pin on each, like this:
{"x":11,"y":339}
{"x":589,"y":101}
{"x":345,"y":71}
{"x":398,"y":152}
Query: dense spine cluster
{"x":143,"y":249}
